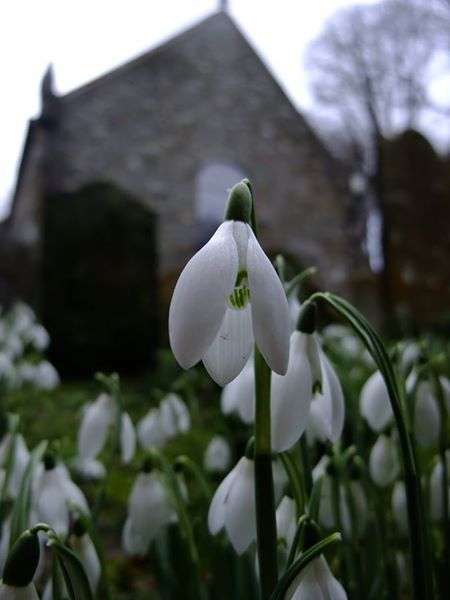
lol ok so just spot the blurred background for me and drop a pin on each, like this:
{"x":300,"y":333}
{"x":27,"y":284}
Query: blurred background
{"x":143,"y":116}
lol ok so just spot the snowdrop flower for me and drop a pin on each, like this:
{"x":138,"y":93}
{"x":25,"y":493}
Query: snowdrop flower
{"x":151,"y":431}
{"x":375,"y":405}
{"x":7,"y":371}
{"x":316,"y":582}
{"x":89,"y":469}
{"x":286,"y":516}
{"x":436,"y":496}
{"x":46,"y":376}
{"x":9,"y":592}
{"x":353,"y":522}
{"x":218,"y":455}
{"x":43,"y":375}
{"x":54,"y":494}
{"x":227,"y":297}
{"x":327,"y":409}
{"x":292,"y":394}
{"x":233,"y":506}
{"x":399,"y":507}
{"x":94,"y":428}
{"x":149,"y":511}
{"x":174,"y":415}
{"x":37,"y":336}
{"x":427,"y":420}
{"x":239,"y":395}
{"x":83,"y":546}
{"x":383,"y":461}
{"x":445,"y":384}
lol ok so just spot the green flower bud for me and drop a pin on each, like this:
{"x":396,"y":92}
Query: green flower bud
{"x":239,"y":204}
{"x":311,"y":534}
{"x":307,"y":319}
{"x":22,"y":560}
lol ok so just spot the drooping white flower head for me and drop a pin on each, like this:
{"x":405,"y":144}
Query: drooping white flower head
{"x":292,"y":394}
{"x":175,"y":415}
{"x":151,"y":431}
{"x":54,"y":494}
{"x":9,"y":592}
{"x":286,"y":517}
{"x":95,"y":424}
{"x":427,"y":420}
{"x":150,"y":509}
{"x":383,"y":461}
{"x":217,"y":455}
{"x":238,"y":396}
{"x":233,"y":506}
{"x":327,"y":410}
{"x":436,"y":495}
{"x":94,"y":427}
{"x":316,"y":582}
{"x":399,"y":507}
{"x":227,"y":297}
{"x":84,"y":548}
{"x":375,"y":405}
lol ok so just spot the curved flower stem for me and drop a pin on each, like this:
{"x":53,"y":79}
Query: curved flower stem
{"x":421,"y":568}
{"x":266,"y":529}
{"x":295,"y":481}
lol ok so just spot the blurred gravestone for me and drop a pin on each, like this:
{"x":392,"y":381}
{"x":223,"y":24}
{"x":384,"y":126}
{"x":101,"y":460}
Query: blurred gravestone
{"x":99,"y":271}
{"x":416,"y":202}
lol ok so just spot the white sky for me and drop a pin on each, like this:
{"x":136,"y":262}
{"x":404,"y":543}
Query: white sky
{"x":86,"y":38}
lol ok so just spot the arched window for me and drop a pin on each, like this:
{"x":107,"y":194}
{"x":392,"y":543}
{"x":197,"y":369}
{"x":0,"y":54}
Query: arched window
{"x":212,"y":184}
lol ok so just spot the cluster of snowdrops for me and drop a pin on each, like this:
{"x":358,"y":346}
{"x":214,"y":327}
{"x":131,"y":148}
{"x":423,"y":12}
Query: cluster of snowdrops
{"x":329,"y":481}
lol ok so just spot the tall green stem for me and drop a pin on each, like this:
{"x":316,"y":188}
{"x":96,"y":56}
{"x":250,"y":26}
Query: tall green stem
{"x":421,"y":567}
{"x":266,"y":528}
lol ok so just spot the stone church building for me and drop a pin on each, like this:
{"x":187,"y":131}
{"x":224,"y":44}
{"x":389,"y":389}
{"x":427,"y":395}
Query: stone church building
{"x":123,"y":178}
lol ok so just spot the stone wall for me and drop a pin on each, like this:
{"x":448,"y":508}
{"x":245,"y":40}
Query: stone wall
{"x":205,"y":96}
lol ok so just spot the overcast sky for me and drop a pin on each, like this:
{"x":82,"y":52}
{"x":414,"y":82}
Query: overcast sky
{"x":86,"y":38}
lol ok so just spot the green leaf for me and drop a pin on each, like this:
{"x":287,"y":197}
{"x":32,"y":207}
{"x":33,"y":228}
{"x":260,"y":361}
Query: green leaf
{"x":291,"y":573}
{"x":73,"y":572}
{"x":21,"y":510}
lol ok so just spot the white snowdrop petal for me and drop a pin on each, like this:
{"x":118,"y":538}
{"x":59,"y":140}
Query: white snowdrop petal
{"x":399,"y":507}
{"x":331,"y":587}
{"x":375,"y":406}
{"x":94,"y":427}
{"x":291,"y":398}
{"x":217,"y":455}
{"x":84,"y":547}
{"x":233,"y":344}
{"x":383,"y":461}
{"x":286,"y":520}
{"x":13,"y":593}
{"x":332,"y":390}
{"x":216,"y":513}
{"x":240,"y":518}
{"x":150,"y":430}
{"x":270,"y":312}
{"x":200,"y":297}
{"x":427,"y":420}
{"x":127,"y":438}
{"x":305,"y":585}
{"x":239,"y":395}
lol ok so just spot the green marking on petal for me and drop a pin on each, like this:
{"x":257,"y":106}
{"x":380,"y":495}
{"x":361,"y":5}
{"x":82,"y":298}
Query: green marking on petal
{"x":241,"y":294}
